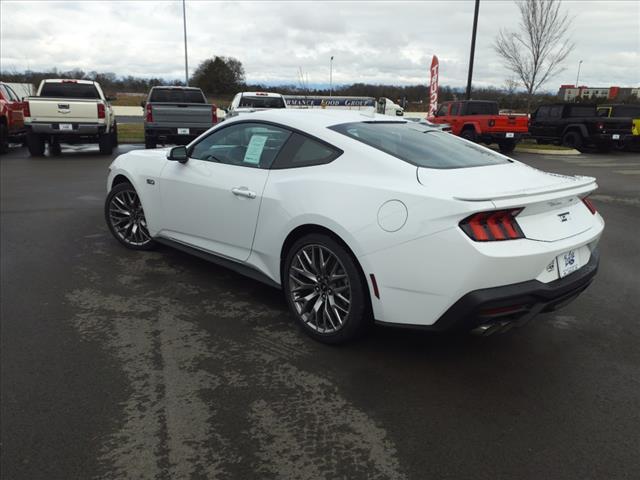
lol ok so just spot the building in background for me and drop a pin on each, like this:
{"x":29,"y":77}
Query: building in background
{"x":569,"y":93}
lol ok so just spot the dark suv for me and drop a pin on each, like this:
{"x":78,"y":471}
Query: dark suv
{"x":577,"y":125}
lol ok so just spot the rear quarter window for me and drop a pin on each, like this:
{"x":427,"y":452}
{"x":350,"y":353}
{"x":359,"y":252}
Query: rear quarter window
{"x":420,"y":145}
{"x":303,"y":151}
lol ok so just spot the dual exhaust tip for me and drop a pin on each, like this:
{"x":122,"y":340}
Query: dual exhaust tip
{"x":486,"y":329}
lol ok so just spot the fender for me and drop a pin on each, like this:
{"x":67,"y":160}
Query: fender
{"x":576,"y":126}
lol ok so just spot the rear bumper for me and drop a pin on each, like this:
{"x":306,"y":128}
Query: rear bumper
{"x":170,"y":134}
{"x":77,"y":128}
{"x":494,"y":137}
{"x":518,"y":302}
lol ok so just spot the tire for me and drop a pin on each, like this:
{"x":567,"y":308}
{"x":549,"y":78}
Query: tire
{"x":4,"y":138}
{"x":507,"y":146}
{"x":343,"y":300}
{"x":114,"y":135}
{"x":469,"y":134}
{"x":149,"y":142}
{"x":125,"y":218}
{"x":105,"y":143}
{"x":572,"y":139}
{"x":55,"y":149}
{"x":35,"y":144}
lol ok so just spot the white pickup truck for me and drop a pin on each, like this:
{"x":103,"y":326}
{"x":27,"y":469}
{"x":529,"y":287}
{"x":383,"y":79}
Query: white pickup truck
{"x":69,"y":111}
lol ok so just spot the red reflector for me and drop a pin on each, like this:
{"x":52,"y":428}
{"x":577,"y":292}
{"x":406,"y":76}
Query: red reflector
{"x":101,"y":113}
{"x":26,"y":110}
{"x":491,"y":226}
{"x":374,"y":284}
{"x":501,"y":310}
{"x":590,"y":205}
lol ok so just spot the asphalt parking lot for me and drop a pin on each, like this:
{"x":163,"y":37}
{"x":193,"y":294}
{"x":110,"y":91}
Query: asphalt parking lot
{"x":121,"y":364}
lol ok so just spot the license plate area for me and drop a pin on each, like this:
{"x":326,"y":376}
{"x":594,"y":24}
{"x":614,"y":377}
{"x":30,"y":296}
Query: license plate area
{"x":66,"y":126}
{"x":615,"y":136}
{"x":183,"y":131}
{"x":568,"y":262}
{"x":509,"y":135}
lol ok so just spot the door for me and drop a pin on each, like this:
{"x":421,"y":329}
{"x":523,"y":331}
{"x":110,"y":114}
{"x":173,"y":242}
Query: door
{"x":539,"y":126}
{"x":14,"y":107}
{"x":212,"y":201}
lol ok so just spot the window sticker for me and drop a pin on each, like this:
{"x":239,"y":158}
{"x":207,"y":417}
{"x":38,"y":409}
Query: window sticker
{"x":254,"y":149}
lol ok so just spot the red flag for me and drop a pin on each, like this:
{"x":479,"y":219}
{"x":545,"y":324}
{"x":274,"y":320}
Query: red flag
{"x":433,"y":88}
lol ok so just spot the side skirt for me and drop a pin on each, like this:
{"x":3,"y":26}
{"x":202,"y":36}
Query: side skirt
{"x":241,"y":268}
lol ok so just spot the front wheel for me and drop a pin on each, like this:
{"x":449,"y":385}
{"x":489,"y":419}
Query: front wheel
{"x":572,"y":139}
{"x":469,"y":134}
{"x":325,"y":290}
{"x":125,"y":218}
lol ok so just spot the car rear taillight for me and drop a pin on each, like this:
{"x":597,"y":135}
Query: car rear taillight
{"x":149,"y":113}
{"x":214,"y":114}
{"x":600,"y":125}
{"x":101,"y":112}
{"x":589,"y":205}
{"x":26,"y":110}
{"x":492,"y":226}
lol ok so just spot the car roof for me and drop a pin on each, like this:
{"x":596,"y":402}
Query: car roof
{"x":175,"y":87}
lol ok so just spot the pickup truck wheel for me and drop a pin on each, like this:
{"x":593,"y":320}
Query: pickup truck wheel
{"x":469,"y":134}
{"x":572,"y":140}
{"x":55,"y":149}
{"x":106,"y":144}
{"x":4,"y":138}
{"x":149,"y":142}
{"x":114,"y":135}
{"x":35,"y":144}
{"x":507,"y":146}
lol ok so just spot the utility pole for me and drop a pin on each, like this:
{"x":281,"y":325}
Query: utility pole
{"x":186,"y":63}
{"x":578,"y":76}
{"x":473,"y":48}
{"x":331,"y":76}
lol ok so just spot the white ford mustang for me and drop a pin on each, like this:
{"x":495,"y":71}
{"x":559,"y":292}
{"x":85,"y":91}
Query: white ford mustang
{"x":362,"y":217}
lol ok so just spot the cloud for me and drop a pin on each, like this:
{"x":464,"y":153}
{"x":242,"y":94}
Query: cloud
{"x":378,"y":42}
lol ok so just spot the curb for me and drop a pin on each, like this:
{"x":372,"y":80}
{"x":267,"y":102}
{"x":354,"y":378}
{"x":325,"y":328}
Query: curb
{"x":547,"y":152}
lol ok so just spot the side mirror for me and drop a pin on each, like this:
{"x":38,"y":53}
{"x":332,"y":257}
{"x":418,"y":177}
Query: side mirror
{"x":178,"y":154}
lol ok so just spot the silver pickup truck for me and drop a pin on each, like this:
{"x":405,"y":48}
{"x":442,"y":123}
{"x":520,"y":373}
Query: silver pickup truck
{"x":176,"y":115}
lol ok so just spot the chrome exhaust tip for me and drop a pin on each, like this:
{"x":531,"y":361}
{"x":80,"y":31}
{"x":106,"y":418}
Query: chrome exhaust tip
{"x":487,"y":329}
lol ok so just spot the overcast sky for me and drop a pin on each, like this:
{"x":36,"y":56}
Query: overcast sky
{"x":372,"y":42}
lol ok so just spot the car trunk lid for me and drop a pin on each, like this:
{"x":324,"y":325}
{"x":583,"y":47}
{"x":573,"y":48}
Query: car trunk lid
{"x":552,"y":204}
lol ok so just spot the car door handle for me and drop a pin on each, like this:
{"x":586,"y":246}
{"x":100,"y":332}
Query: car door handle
{"x":243,"y":192}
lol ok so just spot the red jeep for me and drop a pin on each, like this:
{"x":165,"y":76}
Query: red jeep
{"x":11,"y":117}
{"x":479,"y":121}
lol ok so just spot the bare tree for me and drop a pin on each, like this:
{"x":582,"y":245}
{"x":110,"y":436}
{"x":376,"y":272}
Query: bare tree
{"x":535,"y":53}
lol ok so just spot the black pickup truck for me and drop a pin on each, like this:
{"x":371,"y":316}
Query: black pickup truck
{"x":577,"y":125}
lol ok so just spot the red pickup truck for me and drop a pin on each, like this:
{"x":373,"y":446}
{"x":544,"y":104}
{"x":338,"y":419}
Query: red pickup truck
{"x":479,"y":121}
{"x":11,"y":117}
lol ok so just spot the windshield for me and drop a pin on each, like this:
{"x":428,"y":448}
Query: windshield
{"x":420,"y":145}
{"x":261,"y":102}
{"x":69,"y":90}
{"x":177,"y":95}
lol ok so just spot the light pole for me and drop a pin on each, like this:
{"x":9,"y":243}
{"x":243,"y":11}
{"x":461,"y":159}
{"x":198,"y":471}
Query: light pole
{"x":186,"y":63}
{"x":578,"y":76}
{"x":331,"y":75}
{"x":473,"y":48}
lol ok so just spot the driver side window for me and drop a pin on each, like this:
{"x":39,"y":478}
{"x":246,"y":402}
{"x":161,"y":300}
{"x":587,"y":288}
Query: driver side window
{"x":443,"y":110}
{"x":246,"y":144}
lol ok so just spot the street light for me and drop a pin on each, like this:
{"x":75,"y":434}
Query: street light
{"x":331,"y":75}
{"x":186,"y":63}
{"x":578,"y":76}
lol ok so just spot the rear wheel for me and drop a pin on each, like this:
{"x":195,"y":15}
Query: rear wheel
{"x":105,"y":143}
{"x":572,"y":139}
{"x":35,"y":144}
{"x":125,"y":218}
{"x":469,"y":134}
{"x":507,"y":146}
{"x":114,"y":135}
{"x":4,"y":138}
{"x":149,"y":142}
{"x":54,"y":148}
{"x":325,"y":290}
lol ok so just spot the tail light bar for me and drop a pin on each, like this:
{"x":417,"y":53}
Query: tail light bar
{"x":214,"y":114}
{"x":101,"y":112}
{"x":149,"y":113}
{"x":492,"y":226}
{"x":26,"y":109}
{"x":589,"y":204}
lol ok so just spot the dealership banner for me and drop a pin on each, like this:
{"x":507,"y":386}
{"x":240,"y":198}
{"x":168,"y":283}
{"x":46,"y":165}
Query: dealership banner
{"x":433,"y":88}
{"x":323,"y":101}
